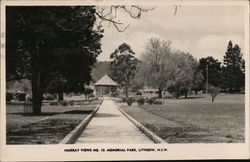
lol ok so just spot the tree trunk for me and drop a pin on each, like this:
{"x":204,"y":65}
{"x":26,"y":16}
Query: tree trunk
{"x":126,"y":92}
{"x":213,"y":99}
{"x":196,"y":92}
{"x":37,"y":104}
{"x":160,"y":93}
{"x":186,"y":94}
{"x":60,"y":96}
{"x":127,"y":86}
{"x":177,"y":94}
{"x":37,"y":92}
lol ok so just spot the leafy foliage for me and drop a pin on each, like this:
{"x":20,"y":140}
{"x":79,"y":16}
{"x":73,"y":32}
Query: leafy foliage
{"x":54,"y":47}
{"x":123,"y":66}
{"x":214,"y":71}
{"x":213,"y":91}
{"x":140,"y":101}
{"x":169,"y":69}
{"x":198,"y":83}
{"x":158,"y":102}
{"x":129,"y":101}
{"x":99,"y":69}
{"x":185,"y":67}
{"x":151,"y":100}
{"x":233,"y":69}
{"x":87,"y":92}
{"x":156,"y":62}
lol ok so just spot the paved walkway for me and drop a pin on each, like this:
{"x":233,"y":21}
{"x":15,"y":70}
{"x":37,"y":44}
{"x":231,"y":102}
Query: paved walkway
{"x":109,"y":125}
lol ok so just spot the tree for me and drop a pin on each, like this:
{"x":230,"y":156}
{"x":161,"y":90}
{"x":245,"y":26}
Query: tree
{"x":100,"y":69}
{"x":233,"y":69}
{"x":185,"y":71}
{"x":138,"y":81}
{"x":213,"y":91}
{"x":110,"y":14}
{"x":16,"y":87}
{"x":123,"y":66}
{"x":39,"y":40}
{"x":36,"y":35}
{"x":214,"y":71}
{"x":198,"y":83}
{"x":87,"y":92}
{"x":57,"y":85}
{"x":156,"y":68}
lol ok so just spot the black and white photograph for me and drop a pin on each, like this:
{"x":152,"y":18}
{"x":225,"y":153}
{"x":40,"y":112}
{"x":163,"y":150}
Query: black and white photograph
{"x":117,"y":74}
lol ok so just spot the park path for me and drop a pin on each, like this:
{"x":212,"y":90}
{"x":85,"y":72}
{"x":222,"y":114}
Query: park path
{"x":109,"y":125}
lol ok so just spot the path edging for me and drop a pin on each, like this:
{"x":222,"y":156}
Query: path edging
{"x":147,"y":132}
{"x":75,"y":133}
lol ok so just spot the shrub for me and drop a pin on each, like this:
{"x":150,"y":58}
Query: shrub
{"x":158,"y":102}
{"x":29,"y":99}
{"x":124,"y":99}
{"x":54,"y":103}
{"x":63,"y":103}
{"x":140,"y":101}
{"x":139,"y":93}
{"x":9,"y":97}
{"x":21,"y":97}
{"x":129,"y":101}
{"x":92,"y":95}
{"x":71,"y":103}
{"x":49,"y":97}
{"x":154,"y":98}
{"x":115,"y":94}
{"x":213,"y":91}
{"x":151,"y":100}
{"x":87,"y":92}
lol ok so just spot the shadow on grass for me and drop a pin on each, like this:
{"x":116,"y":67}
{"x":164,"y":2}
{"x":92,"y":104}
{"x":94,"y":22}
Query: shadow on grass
{"x":50,"y":131}
{"x":105,"y":115}
{"x":78,"y":112}
{"x":30,"y":114}
{"x":193,"y":97}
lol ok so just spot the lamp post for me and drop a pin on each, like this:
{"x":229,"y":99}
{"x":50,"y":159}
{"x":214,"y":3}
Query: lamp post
{"x":207,"y":78}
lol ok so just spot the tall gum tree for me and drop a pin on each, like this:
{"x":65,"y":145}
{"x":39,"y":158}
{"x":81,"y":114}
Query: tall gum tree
{"x":123,"y":66}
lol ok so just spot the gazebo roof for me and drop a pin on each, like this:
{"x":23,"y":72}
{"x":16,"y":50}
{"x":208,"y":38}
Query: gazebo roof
{"x":106,"y":81}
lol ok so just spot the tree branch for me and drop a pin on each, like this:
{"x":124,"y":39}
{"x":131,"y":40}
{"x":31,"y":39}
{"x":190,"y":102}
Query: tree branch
{"x":134,"y":12}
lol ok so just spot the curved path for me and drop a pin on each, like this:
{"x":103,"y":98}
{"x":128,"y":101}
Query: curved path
{"x":109,"y":125}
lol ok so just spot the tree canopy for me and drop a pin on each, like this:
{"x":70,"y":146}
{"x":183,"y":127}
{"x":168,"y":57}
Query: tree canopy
{"x":123,"y":66}
{"x":185,"y":71}
{"x":167,"y":69}
{"x":233,"y":69}
{"x":156,"y":62}
{"x":51,"y":46}
{"x":214,"y":71}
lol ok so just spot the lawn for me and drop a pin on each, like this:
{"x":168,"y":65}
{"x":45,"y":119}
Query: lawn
{"x":195,"y":120}
{"x":50,"y":127}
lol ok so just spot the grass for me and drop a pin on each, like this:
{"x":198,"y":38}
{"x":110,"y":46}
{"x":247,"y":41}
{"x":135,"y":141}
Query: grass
{"x":195,"y":120}
{"x":50,"y":127}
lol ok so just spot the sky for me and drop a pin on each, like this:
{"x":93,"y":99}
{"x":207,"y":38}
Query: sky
{"x":200,"y":30}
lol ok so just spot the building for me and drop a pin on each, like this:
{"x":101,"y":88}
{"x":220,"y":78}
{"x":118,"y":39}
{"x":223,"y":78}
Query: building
{"x":105,"y":86}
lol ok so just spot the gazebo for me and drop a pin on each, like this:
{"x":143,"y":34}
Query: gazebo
{"x":105,"y":86}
